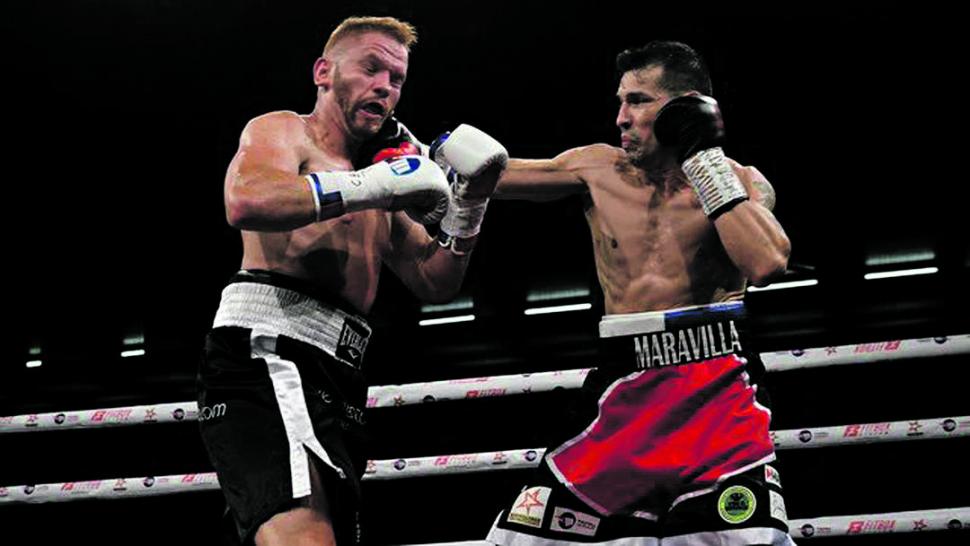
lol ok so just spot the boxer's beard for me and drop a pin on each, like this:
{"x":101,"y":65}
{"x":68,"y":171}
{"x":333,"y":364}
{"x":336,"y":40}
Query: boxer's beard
{"x":342,"y":94}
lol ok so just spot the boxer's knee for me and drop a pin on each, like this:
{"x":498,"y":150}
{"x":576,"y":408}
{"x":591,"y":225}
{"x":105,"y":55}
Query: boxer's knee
{"x":298,"y":526}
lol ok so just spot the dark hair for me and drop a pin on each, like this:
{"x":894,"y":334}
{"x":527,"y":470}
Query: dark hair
{"x":683,"y":68}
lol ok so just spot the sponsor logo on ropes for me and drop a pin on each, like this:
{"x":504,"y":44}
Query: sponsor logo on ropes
{"x":483,"y":393}
{"x":4,"y":492}
{"x":954,"y":524}
{"x":151,"y":415}
{"x":683,"y":345}
{"x":400,"y":464}
{"x":861,"y":527}
{"x":120,"y":485}
{"x":867,"y":430}
{"x":919,"y":525}
{"x":531,"y":455}
{"x":807,"y":530}
{"x":500,"y":458}
{"x":882,"y":347}
{"x":31,"y":420}
{"x":805,"y":436}
{"x":399,"y":400}
{"x":111,"y":416}
{"x":59,"y":418}
{"x":736,"y":504}
{"x":81,"y":487}
{"x":456,"y":461}
{"x":949,"y":425}
{"x":148,"y":481}
{"x":178,"y":414}
{"x":530,"y":506}
{"x":571,"y":521}
{"x":29,"y":489}
{"x":371,"y":467}
{"x":915,"y":429}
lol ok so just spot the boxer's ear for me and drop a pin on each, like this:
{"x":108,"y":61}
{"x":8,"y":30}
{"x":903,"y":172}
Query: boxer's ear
{"x":323,"y":73}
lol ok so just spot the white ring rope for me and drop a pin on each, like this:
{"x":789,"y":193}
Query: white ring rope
{"x":481,"y":387}
{"x":915,"y":521}
{"x":866,"y":352}
{"x":466,"y":463}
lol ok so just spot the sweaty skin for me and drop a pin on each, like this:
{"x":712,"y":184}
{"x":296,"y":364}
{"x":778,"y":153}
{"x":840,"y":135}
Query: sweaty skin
{"x":267,"y":198}
{"x":344,"y":254}
{"x":653,"y":245}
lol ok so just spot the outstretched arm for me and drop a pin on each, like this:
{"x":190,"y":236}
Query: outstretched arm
{"x":548,"y":179}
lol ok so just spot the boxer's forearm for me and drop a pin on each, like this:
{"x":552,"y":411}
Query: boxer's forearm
{"x":754,"y":240}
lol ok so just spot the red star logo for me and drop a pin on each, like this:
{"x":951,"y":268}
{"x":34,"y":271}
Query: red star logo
{"x":531,"y":501}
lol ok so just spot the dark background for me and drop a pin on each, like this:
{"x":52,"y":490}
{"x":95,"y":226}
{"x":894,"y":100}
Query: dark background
{"x":122,"y":116}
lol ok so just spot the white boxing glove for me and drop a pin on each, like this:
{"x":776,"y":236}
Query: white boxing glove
{"x":411,"y":183}
{"x":468,"y":150}
{"x":465,"y":154}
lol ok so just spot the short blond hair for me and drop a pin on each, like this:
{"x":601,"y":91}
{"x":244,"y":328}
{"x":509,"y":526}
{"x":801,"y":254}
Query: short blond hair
{"x":395,"y":28}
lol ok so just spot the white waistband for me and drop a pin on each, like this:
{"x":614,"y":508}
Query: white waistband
{"x":629,"y":324}
{"x":280,"y":311}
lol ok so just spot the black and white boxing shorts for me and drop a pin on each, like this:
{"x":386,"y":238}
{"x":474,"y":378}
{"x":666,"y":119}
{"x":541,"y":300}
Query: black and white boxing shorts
{"x":281,"y":389}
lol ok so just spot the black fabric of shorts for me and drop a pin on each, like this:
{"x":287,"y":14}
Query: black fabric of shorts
{"x":243,"y":430}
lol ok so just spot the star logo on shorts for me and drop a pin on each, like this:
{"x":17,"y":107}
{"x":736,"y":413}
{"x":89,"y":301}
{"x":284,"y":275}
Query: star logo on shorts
{"x":919,"y":525}
{"x":531,"y":501}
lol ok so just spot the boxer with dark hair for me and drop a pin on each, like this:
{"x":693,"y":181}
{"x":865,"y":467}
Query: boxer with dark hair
{"x":672,"y":443}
